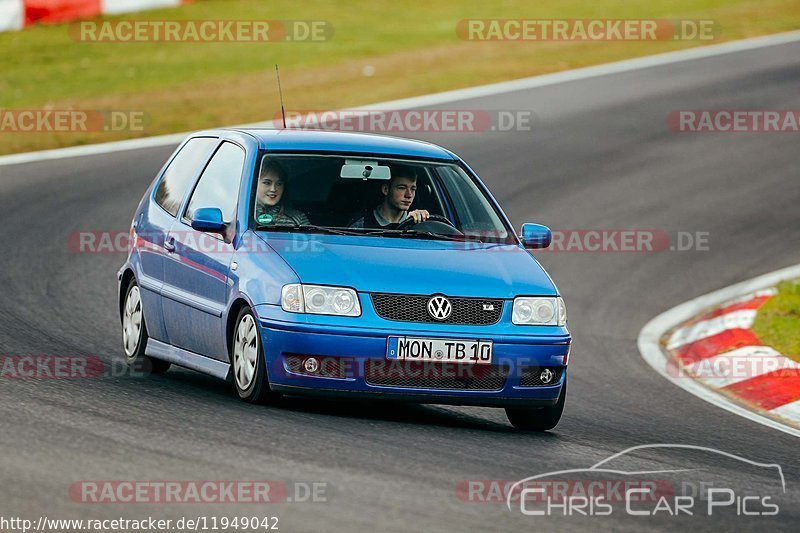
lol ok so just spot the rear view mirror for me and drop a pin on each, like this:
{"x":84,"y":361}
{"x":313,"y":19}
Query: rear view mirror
{"x":365,"y":170}
{"x":536,"y":236}
{"x":208,"y":219}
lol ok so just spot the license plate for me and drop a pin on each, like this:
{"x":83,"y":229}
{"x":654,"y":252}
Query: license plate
{"x":440,"y":350}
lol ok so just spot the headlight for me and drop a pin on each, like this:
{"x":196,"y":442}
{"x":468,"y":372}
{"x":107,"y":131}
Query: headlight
{"x":320,"y":300}
{"x":530,"y":311}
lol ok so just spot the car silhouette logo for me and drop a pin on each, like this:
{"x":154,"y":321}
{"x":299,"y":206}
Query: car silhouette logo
{"x":440,"y":308}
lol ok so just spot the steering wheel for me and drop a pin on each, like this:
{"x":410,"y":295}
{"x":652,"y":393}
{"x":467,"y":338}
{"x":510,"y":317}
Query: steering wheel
{"x":434,"y":219}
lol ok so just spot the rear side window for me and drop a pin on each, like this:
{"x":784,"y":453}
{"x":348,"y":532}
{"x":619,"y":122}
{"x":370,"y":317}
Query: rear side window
{"x":181,"y":170}
{"x":219,"y":184}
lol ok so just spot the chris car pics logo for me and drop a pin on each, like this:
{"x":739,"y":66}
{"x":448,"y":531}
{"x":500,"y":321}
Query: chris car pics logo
{"x":703,"y":482}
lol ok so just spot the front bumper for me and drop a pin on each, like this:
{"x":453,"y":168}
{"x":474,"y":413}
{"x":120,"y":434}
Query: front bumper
{"x":364,"y":345}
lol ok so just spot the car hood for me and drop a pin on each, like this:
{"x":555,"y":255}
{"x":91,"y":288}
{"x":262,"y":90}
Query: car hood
{"x":412,"y":266}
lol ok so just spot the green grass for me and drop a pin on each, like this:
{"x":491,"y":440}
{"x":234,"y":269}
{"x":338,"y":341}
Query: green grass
{"x":413,"y":48}
{"x":778,"y":321}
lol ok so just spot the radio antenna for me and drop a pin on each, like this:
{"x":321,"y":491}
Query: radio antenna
{"x":280,"y":93}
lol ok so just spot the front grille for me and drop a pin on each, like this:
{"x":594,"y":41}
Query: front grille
{"x":430,"y":375}
{"x":530,"y":376}
{"x":414,"y":308}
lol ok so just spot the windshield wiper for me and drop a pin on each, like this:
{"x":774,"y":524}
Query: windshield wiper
{"x":305,"y":228}
{"x":414,"y":233}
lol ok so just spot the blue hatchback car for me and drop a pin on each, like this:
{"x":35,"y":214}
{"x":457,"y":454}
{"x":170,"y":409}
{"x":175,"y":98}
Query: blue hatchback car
{"x":342,"y":265}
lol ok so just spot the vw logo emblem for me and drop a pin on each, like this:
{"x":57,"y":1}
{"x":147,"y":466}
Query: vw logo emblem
{"x":440,"y":308}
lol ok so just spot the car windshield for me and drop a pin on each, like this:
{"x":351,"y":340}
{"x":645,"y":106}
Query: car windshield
{"x":373,"y":195}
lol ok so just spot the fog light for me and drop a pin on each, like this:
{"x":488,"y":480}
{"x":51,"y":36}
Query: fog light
{"x":311,"y":365}
{"x":546,"y":376}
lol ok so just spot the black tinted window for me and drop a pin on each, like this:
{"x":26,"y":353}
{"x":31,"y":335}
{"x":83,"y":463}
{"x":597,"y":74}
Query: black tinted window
{"x":219,"y":184}
{"x":180,"y":172}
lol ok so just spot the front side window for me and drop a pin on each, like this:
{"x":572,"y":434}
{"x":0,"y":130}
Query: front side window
{"x":219,"y":184}
{"x":372,"y":195}
{"x":181,"y":171}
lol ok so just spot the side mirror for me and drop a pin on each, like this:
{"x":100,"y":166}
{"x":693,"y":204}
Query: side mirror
{"x":536,"y":236}
{"x":208,"y":219}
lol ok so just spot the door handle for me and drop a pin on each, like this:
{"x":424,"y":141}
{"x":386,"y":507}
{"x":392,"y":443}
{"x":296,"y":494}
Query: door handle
{"x":169,"y":244}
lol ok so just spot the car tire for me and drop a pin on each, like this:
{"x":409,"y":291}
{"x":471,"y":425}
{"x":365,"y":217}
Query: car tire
{"x":538,"y":419}
{"x":134,"y":334}
{"x":247,"y":360}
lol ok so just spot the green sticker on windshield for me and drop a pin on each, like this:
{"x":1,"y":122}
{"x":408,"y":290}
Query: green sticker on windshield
{"x":264,"y":218}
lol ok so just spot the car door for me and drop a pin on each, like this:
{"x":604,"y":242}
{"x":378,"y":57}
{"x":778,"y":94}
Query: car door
{"x":196,"y":270}
{"x":154,"y":220}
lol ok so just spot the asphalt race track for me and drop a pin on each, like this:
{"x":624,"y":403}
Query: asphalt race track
{"x":599,"y":157}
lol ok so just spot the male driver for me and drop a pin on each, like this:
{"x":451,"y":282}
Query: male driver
{"x":398,"y":195}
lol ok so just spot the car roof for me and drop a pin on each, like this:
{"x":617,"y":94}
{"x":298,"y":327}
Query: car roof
{"x":336,"y":141}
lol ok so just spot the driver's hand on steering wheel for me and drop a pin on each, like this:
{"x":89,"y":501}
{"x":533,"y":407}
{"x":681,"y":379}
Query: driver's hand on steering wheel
{"x":419,"y":215}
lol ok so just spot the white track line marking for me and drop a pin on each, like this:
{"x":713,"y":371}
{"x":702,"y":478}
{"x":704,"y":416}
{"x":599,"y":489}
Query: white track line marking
{"x":790,"y":411}
{"x":12,"y":15}
{"x":752,"y":296}
{"x":457,"y":95}
{"x":652,"y":332}
{"x":742,"y":319}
